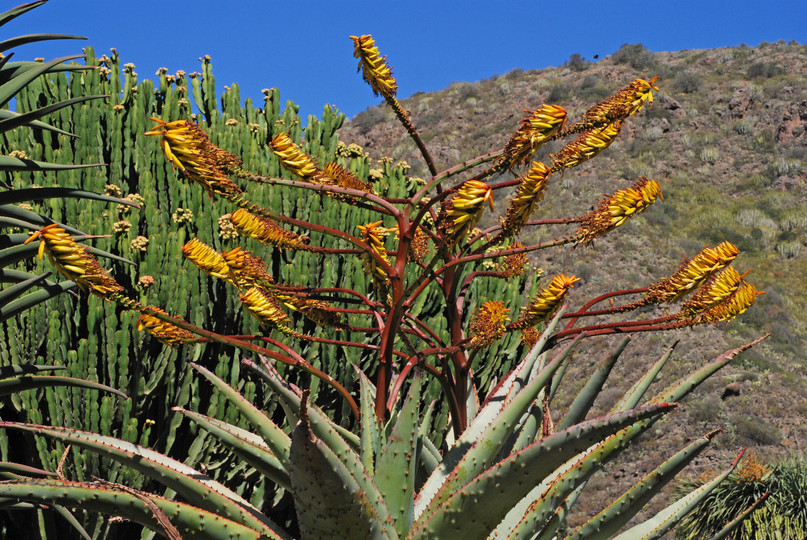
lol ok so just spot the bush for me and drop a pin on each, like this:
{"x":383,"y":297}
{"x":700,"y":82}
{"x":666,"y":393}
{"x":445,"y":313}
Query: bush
{"x":764,"y":70}
{"x":637,"y":56}
{"x":687,"y":83}
{"x":576,"y":63}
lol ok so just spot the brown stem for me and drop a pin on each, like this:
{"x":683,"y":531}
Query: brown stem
{"x":403,"y":116}
{"x":584,"y":310}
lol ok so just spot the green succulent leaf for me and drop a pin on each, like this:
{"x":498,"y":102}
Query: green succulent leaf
{"x":15,"y":12}
{"x":275,"y":438}
{"x":22,"y":383}
{"x":397,"y":461}
{"x":636,"y":392}
{"x":33,"y":38}
{"x":8,"y":163}
{"x":370,"y":438}
{"x":250,"y":447}
{"x":15,"y":291}
{"x":328,"y":496}
{"x":187,"y":482}
{"x":585,"y":399}
{"x":657,"y":526}
{"x":486,"y":499}
{"x":192,"y":522}
{"x":16,"y":196}
{"x":735,"y":523}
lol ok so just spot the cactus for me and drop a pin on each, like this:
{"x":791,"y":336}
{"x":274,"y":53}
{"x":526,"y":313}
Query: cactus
{"x":391,"y":278}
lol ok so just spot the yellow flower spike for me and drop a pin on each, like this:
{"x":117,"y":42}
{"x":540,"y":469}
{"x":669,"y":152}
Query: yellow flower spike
{"x":344,"y":178}
{"x":317,"y":311}
{"x":488,"y":324}
{"x":74,"y":261}
{"x":536,"y":128}
{"x":374,"y":67}
{"x":513,"y":265}
{"x":615,"y":210}
{"x":267,"y":231}
{"x":627,"y":102}
{"x":295,"y":160}
{"x":188,"y":148}
{"x":548,"y":301}
{"x":585,"y":146}
{"x":465,"y":209}
{"x":373,"y":235}
{"x":530,"y":193}
{"x":692,"y":273}
{"x":742,"y":299}
{"x":717,"y":288}
{"x":264,"y":307}
{"x":164,"y":332}
{"x":246,"y":270}
{"x":207,"y":259}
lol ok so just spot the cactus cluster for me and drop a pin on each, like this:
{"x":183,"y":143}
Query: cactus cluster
{"x":378,"y":288}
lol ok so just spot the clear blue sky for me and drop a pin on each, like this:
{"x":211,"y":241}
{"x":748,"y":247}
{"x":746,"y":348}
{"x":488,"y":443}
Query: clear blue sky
{"x":303,"y":49}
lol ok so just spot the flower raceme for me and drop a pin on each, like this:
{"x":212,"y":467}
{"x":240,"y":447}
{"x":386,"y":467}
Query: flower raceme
{"x":615,"y":210}
{"x":692,"y":273}
{"x":73,"y":261}
{"x":188,"y":148}
{"x":374,"y":67}
{"x":530,"y":193}
{"x":208,"y":260}
{"x":465,"y":209}
{"x":548,"y":301}
{"x":163,"y":331}
{"x":587,"y":145}
{"x":488,"y":325}
{"x":627,"y":102}
{"x":536,"y":128}
{"x":716,"y":290}
{"x":295,"y":160}
{"x":267,"y":231}
{"x":373,"y":235}
{"x":264,"y":306}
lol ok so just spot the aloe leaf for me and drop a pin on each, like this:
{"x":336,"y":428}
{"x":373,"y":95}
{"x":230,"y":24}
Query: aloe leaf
{"x":636,"y":392}
{"x":15,"y":291}
{"x":370,"y":440}
{"x":20,"y":470}
{"x":585,"y":399}
{"x":15,"y":12}
{"x":472,"y":455}
{"x":290,"y":399}
{"x":8,"y":163}
{"x":275,"y":438}
{"x":32,"y":217}
{"x":27,"y":382}
{"x":12,"y":87}
{"x":617,"y":514}
{"x":250,"y":447}
{"x":486,"y":499}
{"x":15,"y":196}
{"x":187,"y":482}
{"x":37,"y":297}
{"x":681,"y":388}
{"x":328,"y":497}
{"x":735,"y":523}
{"x":36,"y":124}
{"x":397,"y":461}
{"x":429,"y":456}
{"x":33,"y":38}
{"x":664,"y":521}
{"x":117,"y":501}
{"x":71,"y":519}
{"x":15,"y":370}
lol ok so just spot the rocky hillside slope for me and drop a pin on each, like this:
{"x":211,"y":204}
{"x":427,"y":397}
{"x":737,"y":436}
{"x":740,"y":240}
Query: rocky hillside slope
{"x":727,"y":140}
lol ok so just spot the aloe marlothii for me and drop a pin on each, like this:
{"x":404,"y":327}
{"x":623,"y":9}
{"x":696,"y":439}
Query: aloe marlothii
{"x":373,"y":485}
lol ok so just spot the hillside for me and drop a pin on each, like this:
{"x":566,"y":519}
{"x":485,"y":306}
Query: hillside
{"x":727,"y":140}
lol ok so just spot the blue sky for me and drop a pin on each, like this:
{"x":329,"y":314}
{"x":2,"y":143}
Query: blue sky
{"x":303,"y":49}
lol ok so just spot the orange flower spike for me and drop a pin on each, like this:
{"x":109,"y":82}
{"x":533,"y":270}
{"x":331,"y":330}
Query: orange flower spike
{"x":742,"y":299}
{"x":246,"y":270}
{"x":164,"y":332}
{"x":548,"y":300}
{"x":488,"y":324}
{"x":207,"y":259}
{"x":587,"y":145}
{"x":73,"y":261}
{"x":267,"y":231}
{"x":373,"y":235}
{"x":374,"y":67}
{"x":467,"y":206}
{"x":692,"y":273}
{"x":618,"y":208}
{"x":717,"y":289}
{"x":536,"y":128}
{"x":264,"y":307}
{"x":530,"y":193}
{"x":627,"y":102}
{"x":295,"y":160}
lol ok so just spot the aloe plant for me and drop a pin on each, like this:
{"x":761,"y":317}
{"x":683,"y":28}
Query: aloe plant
{"x":506,"y":470}
{"x":506,"y":476}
